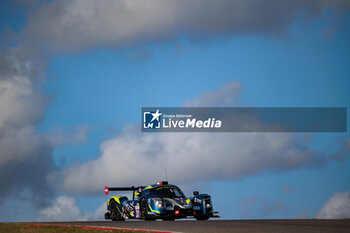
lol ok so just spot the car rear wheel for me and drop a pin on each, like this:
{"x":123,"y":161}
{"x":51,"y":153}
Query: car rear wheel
{"x":115,"y":211}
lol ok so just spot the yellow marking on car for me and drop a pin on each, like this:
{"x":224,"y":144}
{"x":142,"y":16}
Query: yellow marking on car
{"x":152,"y":210}
{"x":188,"y":201}
{"x":117,"y":199}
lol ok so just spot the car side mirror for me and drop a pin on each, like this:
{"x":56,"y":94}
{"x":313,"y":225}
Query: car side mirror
{"x":195,"y":193}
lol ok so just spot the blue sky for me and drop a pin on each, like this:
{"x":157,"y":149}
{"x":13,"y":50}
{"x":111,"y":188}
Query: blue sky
{"x":103,"y":88}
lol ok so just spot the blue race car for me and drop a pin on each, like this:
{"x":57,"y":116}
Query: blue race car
{"x":159,"y":201}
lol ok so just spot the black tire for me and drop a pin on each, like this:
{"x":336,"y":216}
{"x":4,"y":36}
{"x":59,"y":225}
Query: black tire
{"x":114,"y":209}
{"x":202,"y":218}
{"x":144,"y":211}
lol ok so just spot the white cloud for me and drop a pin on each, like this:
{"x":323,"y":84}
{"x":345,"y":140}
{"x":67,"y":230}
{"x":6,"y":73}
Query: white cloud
{"x":64,"y":208}
{"x":135,"y":158}
{"x":20,"y":104}
{"x":338,"y":206}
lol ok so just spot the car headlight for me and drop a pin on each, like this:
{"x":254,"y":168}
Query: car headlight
{"x":158,"y":202}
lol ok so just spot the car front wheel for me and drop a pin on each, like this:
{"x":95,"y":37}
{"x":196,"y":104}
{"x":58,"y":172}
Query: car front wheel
{"x":144,"y":211}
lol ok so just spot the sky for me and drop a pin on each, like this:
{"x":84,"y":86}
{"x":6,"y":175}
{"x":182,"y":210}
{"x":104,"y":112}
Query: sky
{"x":74,"y":76}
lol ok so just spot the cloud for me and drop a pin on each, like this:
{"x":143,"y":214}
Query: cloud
{"x":135,"y":158}
{"x":338,"y":206}
{"x":64,"y":208}
{"x":25,"y":154}
{"x":77,"y":25}
{"x":19,"y":102}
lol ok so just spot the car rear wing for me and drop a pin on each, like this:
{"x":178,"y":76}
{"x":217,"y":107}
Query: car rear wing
{"x":132,"y":188}
{"x":108,"y":189}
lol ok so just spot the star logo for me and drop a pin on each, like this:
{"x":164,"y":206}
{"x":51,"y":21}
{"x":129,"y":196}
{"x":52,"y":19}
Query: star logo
{"x":156,"y":115}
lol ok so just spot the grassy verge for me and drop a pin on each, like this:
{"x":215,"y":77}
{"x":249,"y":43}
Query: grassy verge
{"x":26,"y":228}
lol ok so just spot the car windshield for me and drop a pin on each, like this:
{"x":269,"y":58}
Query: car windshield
{"x":169,"y":192}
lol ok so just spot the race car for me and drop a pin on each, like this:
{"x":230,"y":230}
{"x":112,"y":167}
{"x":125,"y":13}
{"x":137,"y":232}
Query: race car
{"x":158,"y":201}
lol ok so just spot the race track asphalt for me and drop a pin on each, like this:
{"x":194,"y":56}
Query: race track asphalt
{"x":239,"y":226}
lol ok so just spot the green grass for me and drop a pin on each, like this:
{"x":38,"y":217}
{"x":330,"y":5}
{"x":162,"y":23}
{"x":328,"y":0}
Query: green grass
{"x":26,"y":228}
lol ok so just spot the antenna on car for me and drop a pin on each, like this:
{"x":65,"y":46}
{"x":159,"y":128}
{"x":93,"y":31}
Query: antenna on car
{"x":166,"y":175}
